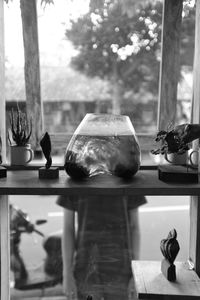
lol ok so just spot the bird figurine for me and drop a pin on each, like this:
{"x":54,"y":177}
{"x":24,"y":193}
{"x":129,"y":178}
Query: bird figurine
{"x":47,"y":172}
{"x":45,"y":144}
{"x":170,"y":246}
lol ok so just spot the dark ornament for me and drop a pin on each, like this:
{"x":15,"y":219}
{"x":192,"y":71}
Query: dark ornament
{"x":45,"y":144}
{"x":47,"y":172}
{"x":169,"y":248}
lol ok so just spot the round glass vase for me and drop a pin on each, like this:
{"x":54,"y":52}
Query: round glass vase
{"x":103,"y":144}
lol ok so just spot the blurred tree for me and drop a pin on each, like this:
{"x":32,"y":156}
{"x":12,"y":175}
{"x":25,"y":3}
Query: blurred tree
{"x":120,"y":41}
{"x":188,"y":33}
{"x":34,"y":107}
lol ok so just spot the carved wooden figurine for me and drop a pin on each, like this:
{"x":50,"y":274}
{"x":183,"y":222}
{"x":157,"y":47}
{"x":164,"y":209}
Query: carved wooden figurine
{"x":47,"y":172}
{"x":3,"y":171}
{"x":169,"y":248}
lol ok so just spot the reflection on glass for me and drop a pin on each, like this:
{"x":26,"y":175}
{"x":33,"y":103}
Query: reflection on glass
{"x":35,"y":239}
{"x":117,"y":69}
{"x":98,"y":57}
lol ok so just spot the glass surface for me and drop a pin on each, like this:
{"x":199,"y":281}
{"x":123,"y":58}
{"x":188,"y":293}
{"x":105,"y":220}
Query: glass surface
{"x":68,"y":93}
{"x":124,"y":65}
{"x":157,"y":217}
{"x":103,"y":143}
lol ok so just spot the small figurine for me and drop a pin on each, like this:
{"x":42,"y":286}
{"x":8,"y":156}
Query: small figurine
{"x":45,"y":144}
{"x":169,"y":248}
{"x":3,"y":171}
{"x":47,"y":172}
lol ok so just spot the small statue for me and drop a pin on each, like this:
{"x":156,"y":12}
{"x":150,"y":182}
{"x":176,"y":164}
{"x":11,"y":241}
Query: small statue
{"x":47,"y":172}
{"x":169,"y":248}
{"x":45,"y":144}
{"x":3,"y":171}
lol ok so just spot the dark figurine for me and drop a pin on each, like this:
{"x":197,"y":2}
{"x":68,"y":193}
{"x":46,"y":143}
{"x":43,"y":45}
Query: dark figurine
{"x":47,"y":172}
{"x":169,"y":248}
{"x":3,"y":171}
{"x":45,"y":144}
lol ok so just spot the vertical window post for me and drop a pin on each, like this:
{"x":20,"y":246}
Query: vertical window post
{"x":2,"y":83}
{"x":194,"y":251}
{"x":4,"y":205}
{"x":169,"y":67}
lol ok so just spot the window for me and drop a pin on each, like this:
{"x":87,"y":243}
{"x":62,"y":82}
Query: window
{"x":117,"y":70}
{"x":101,"y":57}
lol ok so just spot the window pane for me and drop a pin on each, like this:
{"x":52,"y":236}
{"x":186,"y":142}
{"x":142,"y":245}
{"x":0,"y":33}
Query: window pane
{"x":101,"y":57}
{"x":98,"y":57}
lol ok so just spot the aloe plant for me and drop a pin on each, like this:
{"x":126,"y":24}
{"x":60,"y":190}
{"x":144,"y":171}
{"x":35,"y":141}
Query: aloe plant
{"x":21,"y":129}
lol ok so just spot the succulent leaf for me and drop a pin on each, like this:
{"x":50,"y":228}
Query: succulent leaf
{"x":20,"y":130}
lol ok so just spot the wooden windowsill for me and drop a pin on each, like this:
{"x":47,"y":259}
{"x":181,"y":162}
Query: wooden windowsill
{"x":151,"y":283}
{"x":145,"y":182}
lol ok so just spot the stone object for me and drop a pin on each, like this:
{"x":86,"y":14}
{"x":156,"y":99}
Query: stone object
{"x":51,"y":173}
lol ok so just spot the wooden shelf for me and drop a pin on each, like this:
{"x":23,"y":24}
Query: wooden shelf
{"x":151,"y":283}
{"x":145,"y":182}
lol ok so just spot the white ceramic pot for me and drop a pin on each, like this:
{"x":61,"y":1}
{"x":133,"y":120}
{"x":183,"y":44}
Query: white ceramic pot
{"x":21,"y":155}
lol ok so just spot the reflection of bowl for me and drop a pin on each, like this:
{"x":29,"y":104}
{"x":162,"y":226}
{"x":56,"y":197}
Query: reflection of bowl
{"x":103,"y":143}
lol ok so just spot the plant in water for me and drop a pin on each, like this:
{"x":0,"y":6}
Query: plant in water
{"x":21,"y":129}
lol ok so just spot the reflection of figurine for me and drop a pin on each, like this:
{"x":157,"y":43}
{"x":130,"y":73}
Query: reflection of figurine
{"x":169,"y":248}
{"x":47,"y":172}
{"x":3,"y":171}
{"x":45,"y":144}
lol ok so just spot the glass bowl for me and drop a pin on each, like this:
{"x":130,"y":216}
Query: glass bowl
{"x":103,"y":144}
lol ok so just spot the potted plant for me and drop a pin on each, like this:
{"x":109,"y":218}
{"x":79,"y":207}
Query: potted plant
{"x":18,"y":136}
